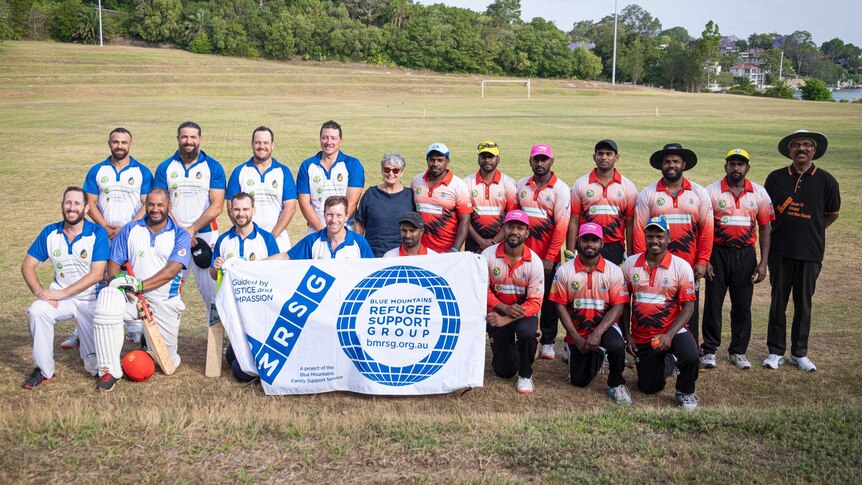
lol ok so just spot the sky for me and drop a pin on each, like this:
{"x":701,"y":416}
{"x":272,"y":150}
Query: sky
{"x":832,"y":18}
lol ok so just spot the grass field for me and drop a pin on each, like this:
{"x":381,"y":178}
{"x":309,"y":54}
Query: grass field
{"x":58,"y":103}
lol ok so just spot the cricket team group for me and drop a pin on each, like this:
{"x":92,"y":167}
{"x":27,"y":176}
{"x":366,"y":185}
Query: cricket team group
{"x":619,"y":268}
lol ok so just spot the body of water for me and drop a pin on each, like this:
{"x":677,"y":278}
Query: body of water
{"x":848,"y":94}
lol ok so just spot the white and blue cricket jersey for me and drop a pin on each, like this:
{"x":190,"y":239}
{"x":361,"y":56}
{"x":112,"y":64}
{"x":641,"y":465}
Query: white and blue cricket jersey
{"x":319,"y":184}
{"x":148,"y":253}
{"x":190,"y":188}
{"x":72,"y":260}
{"x":119,"y":192}
{"x":317,"y":246}
{"x":270,"y":189}
{"x":259,"y":244}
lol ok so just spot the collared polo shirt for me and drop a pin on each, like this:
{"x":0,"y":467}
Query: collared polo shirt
{"x":270,"y":189}
{"x":259,"y":244}
{"x":149,"y":253}
{"x":317,"y":246}
{"x":490,"y":202}
{"x":605,"y":205}
{"x":320,"y":184}
{"x":802,"y":202}
{"x":522,"y":282}
{"x":549,"y":210}
{"x":71,"y":260}
{"x":189,"y":188}
{"x":689,"y":217}
{"x":440,"y":207}
{"x":588,"y":295}
{"x":657,"y":294}
{"x":736,"y":219}
{"x":119,"y":192}
{"x":399,"y":251}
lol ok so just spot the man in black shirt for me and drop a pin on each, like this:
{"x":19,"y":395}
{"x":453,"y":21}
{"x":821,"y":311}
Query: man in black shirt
{"x":807,"y":201}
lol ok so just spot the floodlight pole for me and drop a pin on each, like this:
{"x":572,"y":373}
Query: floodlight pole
{"x":614,"y":68}
{"x":781,"y":66}
{"x":101,"y":44}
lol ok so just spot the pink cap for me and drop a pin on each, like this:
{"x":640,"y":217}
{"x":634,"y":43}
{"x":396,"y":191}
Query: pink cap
{"x":542,"y":149}
{"x":592,"y":229}
{"x":517,"y":216}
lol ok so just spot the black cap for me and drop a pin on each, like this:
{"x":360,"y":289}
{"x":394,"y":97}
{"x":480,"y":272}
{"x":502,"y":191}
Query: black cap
{"x":607,"y":144}
{"x":413,"y":218}
{"x":202,"y":254}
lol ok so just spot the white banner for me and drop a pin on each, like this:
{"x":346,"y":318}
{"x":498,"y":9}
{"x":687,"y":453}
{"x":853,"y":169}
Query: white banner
{"x":400,"y":326}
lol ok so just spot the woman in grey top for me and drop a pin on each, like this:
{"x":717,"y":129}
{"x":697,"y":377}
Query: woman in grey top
{"x":383,"y":205}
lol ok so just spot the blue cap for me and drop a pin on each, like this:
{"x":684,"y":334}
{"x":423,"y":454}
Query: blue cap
{"x":439,"y":148}
{"x":659,"y":222}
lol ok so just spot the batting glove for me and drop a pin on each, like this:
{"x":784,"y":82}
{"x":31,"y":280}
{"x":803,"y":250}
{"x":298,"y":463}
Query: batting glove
{"x":127,"y":283}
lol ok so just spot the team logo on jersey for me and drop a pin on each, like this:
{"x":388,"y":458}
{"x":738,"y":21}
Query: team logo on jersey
{"x":604,"y":287}
{"x":660,"y":201}
{"x":418,"y":190}
{"x":59,"y":265}
{"x":252,"y":257}
{"x":229,"y":255}
{"x":636,"y":278}
{"x":578,"y":303}
{"x":665,"y":282}
{"x":250,"y":182}
{"x":340,"y":178}
{"x":576,"y":286}
{"x":523,"y":194}
{"x":619,"y":194}
{"x":62,"y":275}
{"x":691,"y":201}
{"x":590,"y":194}
{"x":496,"y":271}
{"x":181,"y":252}
{"x":104,"y":179}
{"x":523,"y":275}
{"x":174,"y":187}
{"x":141,"y":254}
{"x":199,"y":175}
{"x":83,"y":254}
{"x":548,"y":199}
{"x":722,"y":203}
{"x":724,"y":219}
{"x":174,"y":175}
{"x":251,"y":193}
{"x":131,"y":181}
{"x":593,"y":210}
{"x":275,"y":184}
{"x":56,"y":252}
{"x":474,"y":193}
{"x":107,"y":190}
{"x":751,"y":204}
{"x":319,"y":190}
{"x":316,"y":179}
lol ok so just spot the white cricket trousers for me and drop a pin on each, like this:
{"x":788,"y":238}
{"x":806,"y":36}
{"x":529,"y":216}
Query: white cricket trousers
{"x":42,"y":318}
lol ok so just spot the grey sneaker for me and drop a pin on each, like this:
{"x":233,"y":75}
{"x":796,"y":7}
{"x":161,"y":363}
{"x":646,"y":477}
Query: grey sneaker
{"x":72,"y":341}
{"x":773,"y":361}
{"x":620,"y":394}
{"x":106,"y":383}
{"x":708,"y":361}
{"x":525,"y":385}
{"x":739,"y":361}
{"x":547,"y":352}
{"x":804,"y":363}
{"x":36,"y":379}
{"x":689,"y":402}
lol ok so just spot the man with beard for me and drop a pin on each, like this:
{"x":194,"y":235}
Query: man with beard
{"x":807,"y":201}
{"x":492,"y":195}
{"x":516,"y":285}
{"x":590,"y":295}
{"x":271,"y":184}
{"x":545,"y":199}
{"x":662,"y":298}
{"x":116,"y":188}
{"x":335,"y":241}
{"x":412,"y":229}
{"x":443,"y":201}
{"x":158,"y":250}
{"x":326,"y":174}
{"x":245,"y":240}
{"x":195,"y":183}
{"x":686,"y":207}
{"x":78,"y":250}
{"x":740,"y":207}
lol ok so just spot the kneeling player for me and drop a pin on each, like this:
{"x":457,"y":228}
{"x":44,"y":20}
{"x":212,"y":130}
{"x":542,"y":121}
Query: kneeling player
{"x":157,"y":250}
{"x":590,"y":294}
{"x":78,"y":250}
{"x":516,"y":285}
{"x":662,"y":289}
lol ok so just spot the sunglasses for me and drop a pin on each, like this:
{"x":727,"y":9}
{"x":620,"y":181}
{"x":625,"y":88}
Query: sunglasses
{"x":391,"y":170}
{"x":483,"y":146}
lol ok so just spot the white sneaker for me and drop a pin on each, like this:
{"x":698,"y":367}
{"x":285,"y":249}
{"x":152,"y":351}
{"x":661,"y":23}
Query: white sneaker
{"x":525,"y":385}
{"x":547,"y":352}
{"x":708,"y":361}
{"x":773,"y":361}
{"x":739,"y":361}
{"x":804,"y":363}
{"x":72,"y":341}
{"x":564,"y":357}
{"x":689,"y":402}
{"x":620,"y":394}
{"x":134,"y":337}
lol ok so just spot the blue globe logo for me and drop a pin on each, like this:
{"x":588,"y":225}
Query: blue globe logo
{"x":430,"y":363}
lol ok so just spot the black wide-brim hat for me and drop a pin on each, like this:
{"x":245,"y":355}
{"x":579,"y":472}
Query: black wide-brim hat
{"x":687,"y":155}
{"x":202,"y":254}
{"x":819,"y":138}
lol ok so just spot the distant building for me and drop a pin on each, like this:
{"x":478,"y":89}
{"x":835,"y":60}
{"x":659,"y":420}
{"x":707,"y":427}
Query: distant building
{"x":751,"y":71}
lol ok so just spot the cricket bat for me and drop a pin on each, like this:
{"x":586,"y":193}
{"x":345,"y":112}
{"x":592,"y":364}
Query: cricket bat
{"x":152,"y":332}
{"x":215,"y":339}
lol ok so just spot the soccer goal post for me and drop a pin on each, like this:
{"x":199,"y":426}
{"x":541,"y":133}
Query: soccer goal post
{"x":525,"y":82}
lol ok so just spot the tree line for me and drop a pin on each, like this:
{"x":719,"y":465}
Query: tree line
{"x":435,"y":37}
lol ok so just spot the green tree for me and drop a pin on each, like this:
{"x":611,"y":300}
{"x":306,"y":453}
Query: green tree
{"x":762,"y":41}
{"x":586,"y":64}
{"x":507,"y":11}
{"x":678,"y":34}
{"x":6,"y":31}
{"x":633,"y":62}
{"x":781,"y":89}
{"x":743,"y":85}
{"x":157,"y":20}
{"x":708,"y":47}
{"x":724,"y":79}
{"x":201,"y":43}
{"x":815,"y":90}
{"x":638,"y":21}
{"x":65,"y":20}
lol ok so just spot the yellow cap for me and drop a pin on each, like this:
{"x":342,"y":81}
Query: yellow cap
{"x":737,"y":153}
{"x":489,"y":146}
